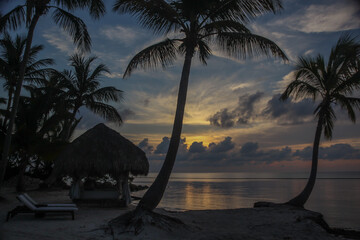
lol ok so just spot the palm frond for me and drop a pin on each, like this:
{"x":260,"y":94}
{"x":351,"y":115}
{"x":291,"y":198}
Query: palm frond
{"x":299,"y":90}
{"x":348,"y":103}
{"x":243,"y":10}
{"x":98,"y":71}
{"x":107,"y":94}
{"x":13,"y":19}
{"x":204,"y":51}
{"x":157,"y":15}
{"x":74,"y":26}
{"x":243,"y":45}
{"x":348,"y":85}
{"x":225,"y":26}
{"x":163,"y":53}
{"x":106,"y":111}
{"x":306,"y":69}
{"x":96,"y":7}
{"x":329,"y":118}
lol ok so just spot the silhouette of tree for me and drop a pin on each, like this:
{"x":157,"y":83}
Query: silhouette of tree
{"x":333,"y":84}
{"x":10,"y":63}
{"x":83,"y":89}
{"x":219,"y":22}
{"x":30,"y":13}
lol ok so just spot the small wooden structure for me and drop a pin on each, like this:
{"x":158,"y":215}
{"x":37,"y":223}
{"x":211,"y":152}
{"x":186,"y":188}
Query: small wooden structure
{"x":97,"y":152}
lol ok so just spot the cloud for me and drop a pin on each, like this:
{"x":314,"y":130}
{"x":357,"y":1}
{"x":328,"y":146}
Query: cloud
{"x":288,"y":112}
{"x":126,"y":113}
{"x":333,"y":152}
{"x":114,"y":75}
{"x":197,"y":147}
{"x":226,"y":154}
{"x":122,"y":34}
{"x":61,"y":40}
{"x":223,"y":146}
{"x":144,"y":145}
{"x":338,"y":16}
{"x":163,"y":146}
{"x":241,"y":115}
{"x":286,"y":80}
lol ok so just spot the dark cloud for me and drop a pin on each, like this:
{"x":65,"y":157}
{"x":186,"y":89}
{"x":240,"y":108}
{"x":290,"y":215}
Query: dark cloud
{"x":197,"y":147}
{"x":333,"y":152}
{"x":250,"y":152}
{"x":223,"y":119}
{"x":144,"y":145}
{"x":241,"y":115}
{"x":126,"y":113}
{"x":249,"y":148}
{"x":146,"y":102}
{"x":163,"y":146}
{"x":222,"y":146}
{"x":225,"y":154}
{"x":289,"y":112}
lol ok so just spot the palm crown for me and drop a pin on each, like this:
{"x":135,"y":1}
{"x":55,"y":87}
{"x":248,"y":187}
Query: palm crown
{"x":201,"y":23}
{"x":65,"y":19}
{"x":331,"y":82}
{"x":83,"y":89}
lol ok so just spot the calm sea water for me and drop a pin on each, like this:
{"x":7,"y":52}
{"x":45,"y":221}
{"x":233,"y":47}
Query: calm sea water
{"x":336,"y":195}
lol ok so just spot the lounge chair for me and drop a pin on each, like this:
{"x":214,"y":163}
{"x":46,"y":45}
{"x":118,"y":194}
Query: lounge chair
{"x":48,"y":204}
{"x":40,"y":211}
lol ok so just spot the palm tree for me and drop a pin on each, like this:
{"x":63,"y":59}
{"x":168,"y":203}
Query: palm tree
{"x":30,"y":13}
{"x":200,"y":23}
{"x":83,"y":89}
{"x":333,"y":84}
{"x":10,"y":63}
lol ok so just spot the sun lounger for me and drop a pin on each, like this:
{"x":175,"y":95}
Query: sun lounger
{"x":40,"y":211}
{"x":48,"y":204}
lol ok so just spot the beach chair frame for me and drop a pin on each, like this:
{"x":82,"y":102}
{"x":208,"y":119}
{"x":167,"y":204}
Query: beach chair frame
{"x":39,"y":211}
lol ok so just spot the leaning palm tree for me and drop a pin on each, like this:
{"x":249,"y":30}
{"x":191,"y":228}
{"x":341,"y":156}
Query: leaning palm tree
{"x":83,"y":89}
{"x":30,"y":13}
{"x":333,"y":84}
{"x":200,"y":24}
{"x":11,"y":53}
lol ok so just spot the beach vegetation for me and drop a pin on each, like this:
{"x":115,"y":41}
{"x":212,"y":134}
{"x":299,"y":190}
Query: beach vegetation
{"x":331,"y":85}
{"x":198,"y":26}
{"x":29,"y":13}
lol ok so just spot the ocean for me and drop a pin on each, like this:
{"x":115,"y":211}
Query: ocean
{"x":335,"y":195}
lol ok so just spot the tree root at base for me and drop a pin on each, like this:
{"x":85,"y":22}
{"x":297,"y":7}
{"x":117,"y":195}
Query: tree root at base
{"x":135,"y":222}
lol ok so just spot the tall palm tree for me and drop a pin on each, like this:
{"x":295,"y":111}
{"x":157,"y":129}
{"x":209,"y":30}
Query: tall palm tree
{"x":30,"y":13}
{"x":10,"y":62}
{"x":200,"y":23}
{"x":333,"y":84}
{"x":83,"y":89}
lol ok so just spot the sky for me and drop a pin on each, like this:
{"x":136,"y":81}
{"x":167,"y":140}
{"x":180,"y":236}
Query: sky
{"x":233,"y":120}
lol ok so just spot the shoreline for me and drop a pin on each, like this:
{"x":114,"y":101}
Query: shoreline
{"x":92,"y":223}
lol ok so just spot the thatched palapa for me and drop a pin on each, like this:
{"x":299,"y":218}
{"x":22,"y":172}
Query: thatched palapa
{"x":101,"y":151}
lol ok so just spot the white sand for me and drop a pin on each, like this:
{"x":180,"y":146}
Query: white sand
{"x":251,"y":223}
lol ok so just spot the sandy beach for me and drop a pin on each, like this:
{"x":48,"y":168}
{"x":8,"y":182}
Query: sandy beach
{"x":91,"y":223}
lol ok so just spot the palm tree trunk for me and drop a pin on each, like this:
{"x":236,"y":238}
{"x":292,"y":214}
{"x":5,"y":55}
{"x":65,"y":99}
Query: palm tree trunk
{"x":154,"y":194}
{"x":8,"y":107}
{"x":71,"y":121}
{"x":16,"y":99}
{"x":300,"y":200}
{"x":20,"y":185}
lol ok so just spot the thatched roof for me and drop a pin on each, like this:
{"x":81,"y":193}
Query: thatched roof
{"x":101,"y":151}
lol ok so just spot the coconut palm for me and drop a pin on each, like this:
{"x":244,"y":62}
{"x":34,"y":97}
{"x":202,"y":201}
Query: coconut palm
{"x":83,"y":89}
{"x":29,"y":13}
{"x":200,"y":24}
{"x":333,"y":84}
{"x":10,"y":63}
